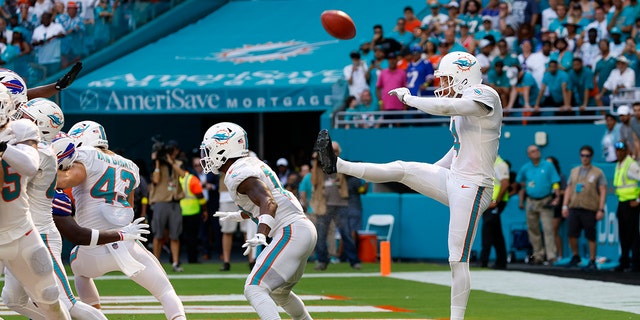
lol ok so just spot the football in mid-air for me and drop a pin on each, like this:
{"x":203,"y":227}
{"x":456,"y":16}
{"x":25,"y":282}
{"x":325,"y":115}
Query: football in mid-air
{"x":338,"y":24}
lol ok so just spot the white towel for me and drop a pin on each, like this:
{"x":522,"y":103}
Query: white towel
{"x":128,"y":265}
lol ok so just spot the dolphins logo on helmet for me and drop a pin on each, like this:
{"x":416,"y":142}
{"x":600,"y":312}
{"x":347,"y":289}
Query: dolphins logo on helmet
{"x":89,"y":133}
{"x":45,"y":113}
{"x":223,"y":141}
{"x":461,"y":70}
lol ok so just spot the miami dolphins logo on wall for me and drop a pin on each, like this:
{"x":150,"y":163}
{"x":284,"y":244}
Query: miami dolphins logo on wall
{"x":263,"y":52}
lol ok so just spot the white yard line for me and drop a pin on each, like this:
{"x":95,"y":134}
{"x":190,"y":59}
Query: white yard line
{"x":588,"y":293}
{"x":199,"y":298}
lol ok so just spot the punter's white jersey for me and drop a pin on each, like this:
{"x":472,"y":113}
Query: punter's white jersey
{"x":289,"y":208}
{"x":102,"y":199}
{"x":15,"y":220}
{"x":41,"y":189}
{"x":476,"y":139}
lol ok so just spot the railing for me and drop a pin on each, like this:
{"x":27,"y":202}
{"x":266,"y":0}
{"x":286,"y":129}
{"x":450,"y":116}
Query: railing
{"x":418,"y":118}
{"x":126,"y":18}
{"x":624,"y":96}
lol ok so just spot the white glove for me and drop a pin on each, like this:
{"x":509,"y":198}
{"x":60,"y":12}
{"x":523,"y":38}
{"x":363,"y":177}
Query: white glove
{"x":400,"y":93}
{"x":7,"y":135}
{"x":134,"y":231}
{"x":231,"y":216}
{"x":258,"y":239}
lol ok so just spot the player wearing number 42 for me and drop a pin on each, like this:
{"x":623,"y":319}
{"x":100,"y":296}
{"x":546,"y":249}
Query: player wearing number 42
{"x":255,"y":188}
{"x":103,"y":184}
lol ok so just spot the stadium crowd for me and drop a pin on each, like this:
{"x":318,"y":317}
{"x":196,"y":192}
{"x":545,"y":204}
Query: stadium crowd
{"x":40,"y":37}
{"x":563,"y":54}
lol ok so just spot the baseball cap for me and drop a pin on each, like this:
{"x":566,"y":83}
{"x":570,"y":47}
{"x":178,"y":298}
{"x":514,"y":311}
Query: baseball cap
{"x":615,"y":30}
{"x":487,"y":18}
{"x":172,"y":144}
{"x":434,"y":5}
{"x":453,"y":4}
{"x":624,"y":110}
{"x":623,"y":59}
{"x":416,"y":49}
{"x":620,"y":145}
{"x":484,"y":43}
{"x":354,"y":55}
{"x":72,"y":4}
{"x":282,"y":162}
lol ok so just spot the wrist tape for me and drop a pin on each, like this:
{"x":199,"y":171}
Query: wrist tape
{"x":267,"y":219}
{"x":95,"y":234}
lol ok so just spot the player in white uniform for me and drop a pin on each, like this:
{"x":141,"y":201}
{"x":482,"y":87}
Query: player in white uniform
{"x":463,"y":178}
{"x":257,"y":191}
{"x":103,"y":184}
{"x":21,"y":249}
{"x":40,"y":189}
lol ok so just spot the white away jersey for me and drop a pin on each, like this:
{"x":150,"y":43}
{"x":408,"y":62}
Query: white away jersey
{"x":41,"y":189}
{"x":289,"y":208}
{"x":15,"y":219}
{"x":102,"y":199}
{"x":476,"y":139}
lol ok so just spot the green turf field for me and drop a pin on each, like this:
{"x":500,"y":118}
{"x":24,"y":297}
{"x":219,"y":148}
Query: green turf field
{"x":340,"y":296}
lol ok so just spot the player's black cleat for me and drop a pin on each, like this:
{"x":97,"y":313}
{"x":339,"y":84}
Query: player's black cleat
{"x":69,"y":77}
{"x":326,"y":156}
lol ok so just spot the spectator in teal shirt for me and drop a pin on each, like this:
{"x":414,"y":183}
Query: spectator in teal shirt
{"x":563,"y":55}
{"x":487,"y":29}
{"x":604,"y":65}
{"x":526,"y":90}
{"x":628,"y":16}
{"x":559,"y":94}
{"x":498,"y":80}
{"x":581,"y":79}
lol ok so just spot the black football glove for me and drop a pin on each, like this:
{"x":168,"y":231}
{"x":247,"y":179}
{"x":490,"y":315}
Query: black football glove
{"x":68,"y":78}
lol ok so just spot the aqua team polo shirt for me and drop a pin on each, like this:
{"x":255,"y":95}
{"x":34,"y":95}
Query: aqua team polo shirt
{"x":538,"y":180}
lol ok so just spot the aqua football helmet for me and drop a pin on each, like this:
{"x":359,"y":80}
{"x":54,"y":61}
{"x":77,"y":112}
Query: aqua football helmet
{"x":223,"y":141}
{"x":65,"y":148}
{"x":89,"y":133}
{"x":15,"y":84}
{"x":462,"y":71}
{"x":45,"y":113}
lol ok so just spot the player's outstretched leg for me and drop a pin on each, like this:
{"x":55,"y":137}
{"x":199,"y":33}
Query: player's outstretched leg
{"x":326,"y":156}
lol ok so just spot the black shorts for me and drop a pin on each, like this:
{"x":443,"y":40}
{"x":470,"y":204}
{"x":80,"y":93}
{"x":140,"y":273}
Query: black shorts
{"x":581,"y":219}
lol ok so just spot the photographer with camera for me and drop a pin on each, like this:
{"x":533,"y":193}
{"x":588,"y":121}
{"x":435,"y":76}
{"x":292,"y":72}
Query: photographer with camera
{"x":165,"y":193}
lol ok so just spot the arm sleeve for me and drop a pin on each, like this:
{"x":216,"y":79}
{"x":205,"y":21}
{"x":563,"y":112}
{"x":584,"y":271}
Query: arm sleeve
{"x":445,"y":161}
{"x":448,"y":106}
{"x":23,"y":158}
{"x":61,"y":204}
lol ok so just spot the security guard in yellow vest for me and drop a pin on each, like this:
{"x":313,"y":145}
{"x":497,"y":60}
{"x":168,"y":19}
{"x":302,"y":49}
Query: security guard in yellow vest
{"x":194,"y":212}
{"x":625,"y":180}
{"x":491,"y":224}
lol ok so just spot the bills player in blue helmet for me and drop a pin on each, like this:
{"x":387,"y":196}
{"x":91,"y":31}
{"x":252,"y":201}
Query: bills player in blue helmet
{"x":103,"y":184}
{"x":19,"y":91}
{"x":257,"y":192}
{"x":463,"y":178}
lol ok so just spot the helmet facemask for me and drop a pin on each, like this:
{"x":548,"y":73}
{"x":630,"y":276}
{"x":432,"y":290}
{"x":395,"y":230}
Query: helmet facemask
{"x":223,"y":141}
{"x":448,"y":85}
